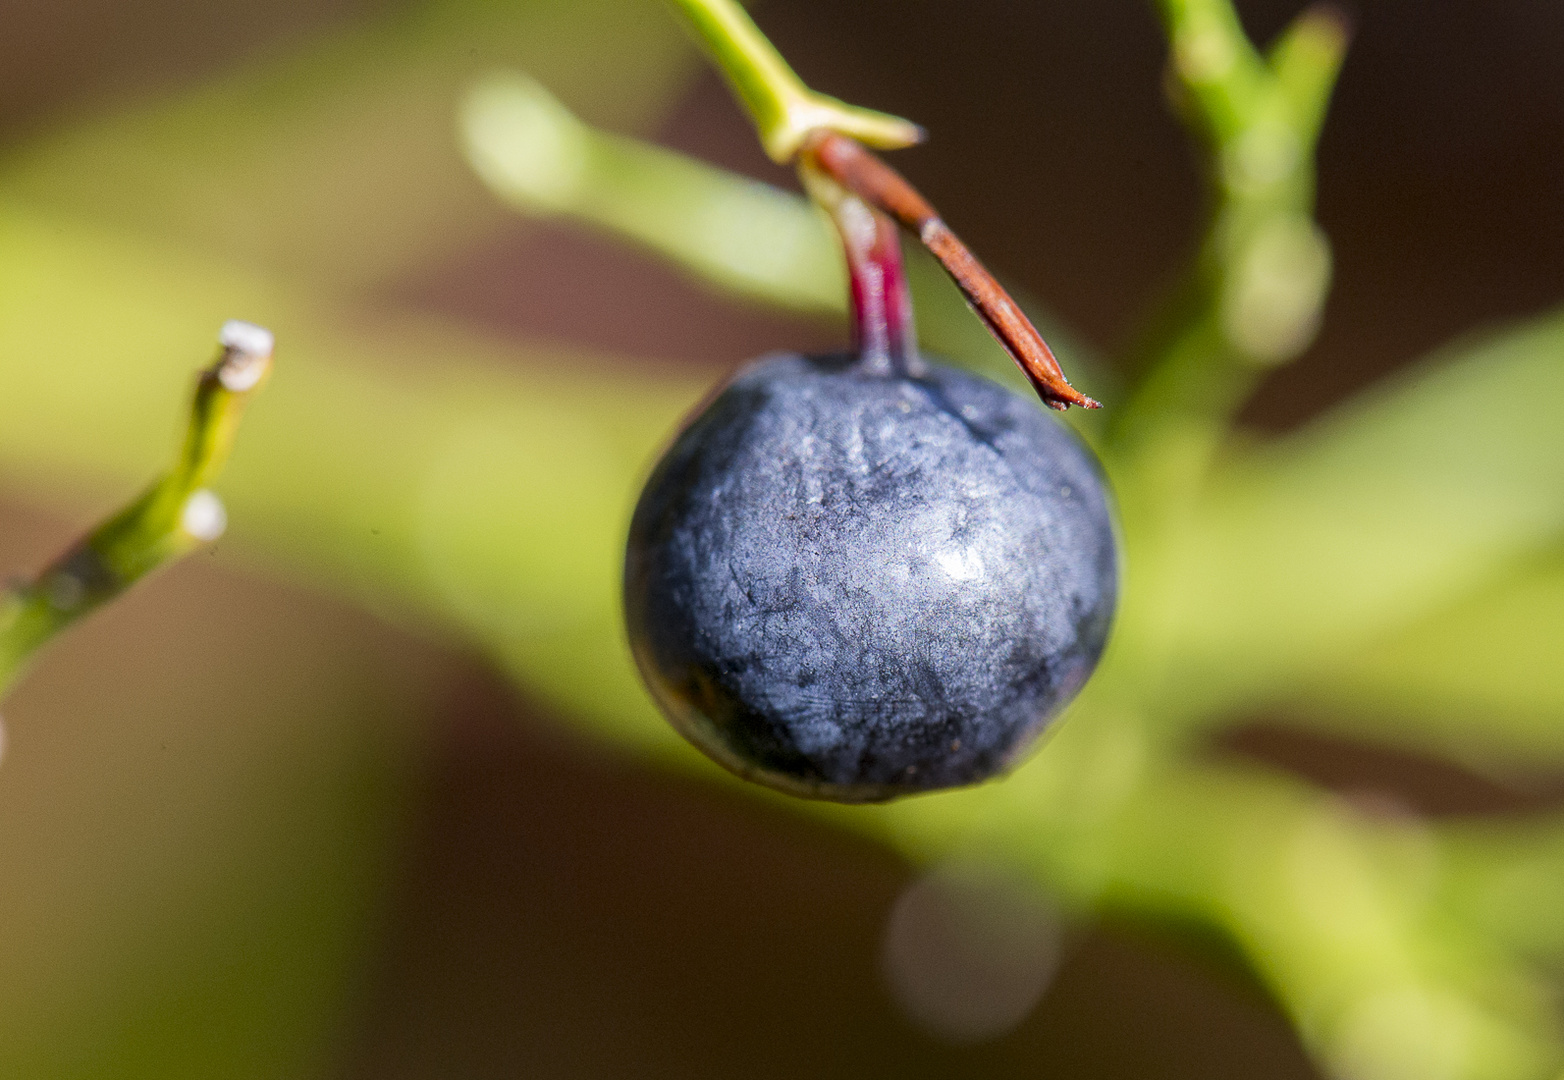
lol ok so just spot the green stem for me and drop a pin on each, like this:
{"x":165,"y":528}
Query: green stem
{"x":784,"y":110}
{"x":171,"y":518}
{"x":1254,"y":297}
{"x":1251,"y":301}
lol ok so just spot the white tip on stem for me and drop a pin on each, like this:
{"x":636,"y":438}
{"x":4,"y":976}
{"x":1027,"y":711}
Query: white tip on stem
{"x":204,"y":517}
{"x":249,"y":349}
{"x":246,"y":337}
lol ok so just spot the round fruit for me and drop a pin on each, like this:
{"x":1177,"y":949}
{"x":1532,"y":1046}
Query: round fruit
{"x":851,"y":583}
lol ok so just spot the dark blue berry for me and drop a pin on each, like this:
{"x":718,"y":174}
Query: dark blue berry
{"x":852,"y":584}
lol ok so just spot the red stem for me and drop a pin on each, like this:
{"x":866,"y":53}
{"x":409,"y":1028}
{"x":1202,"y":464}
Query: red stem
{"x":887,"y":191}
{"x":884,"y":336}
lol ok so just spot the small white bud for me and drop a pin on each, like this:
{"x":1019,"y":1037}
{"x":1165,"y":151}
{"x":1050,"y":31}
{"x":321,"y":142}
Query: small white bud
{"x":204,"y":517}
{"x":249,"y":349}
{"x":246,"y":337}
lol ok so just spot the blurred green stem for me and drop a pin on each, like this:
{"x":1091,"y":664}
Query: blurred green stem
{"x":1254,"y":296}
{"x":170,"y":519}
{"x":784,"y":110}
{"x":1251,"y":301}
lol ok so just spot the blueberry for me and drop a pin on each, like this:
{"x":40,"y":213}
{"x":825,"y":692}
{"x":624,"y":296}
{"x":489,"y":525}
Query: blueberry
{"x":854,"y":584}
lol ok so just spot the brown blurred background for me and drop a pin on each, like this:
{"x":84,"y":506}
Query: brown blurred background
{"x":561,"y":913}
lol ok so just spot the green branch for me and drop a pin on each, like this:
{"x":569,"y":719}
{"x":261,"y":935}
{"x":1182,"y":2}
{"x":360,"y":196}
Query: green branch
{"x":173,"y":517}
{"x":1254,"y":298}
{"x":784,"y":110}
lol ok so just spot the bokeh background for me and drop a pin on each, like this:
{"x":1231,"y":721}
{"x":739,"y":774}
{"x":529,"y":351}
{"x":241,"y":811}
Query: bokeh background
{"x":250,"y":829}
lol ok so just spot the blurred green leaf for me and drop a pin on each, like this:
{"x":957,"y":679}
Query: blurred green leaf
{"x":1479,"y":682}
{"x":1506,"y":878}
{"x":1392,"y":508}
{"x":1342,"y":916}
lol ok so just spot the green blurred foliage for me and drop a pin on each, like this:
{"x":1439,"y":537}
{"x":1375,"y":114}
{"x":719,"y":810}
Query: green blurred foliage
{"x":1392,"y":566}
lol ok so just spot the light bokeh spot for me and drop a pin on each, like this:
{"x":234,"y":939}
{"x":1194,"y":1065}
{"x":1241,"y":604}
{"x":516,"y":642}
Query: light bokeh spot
{"x":969,"y":949}
{"x":204,"y":516}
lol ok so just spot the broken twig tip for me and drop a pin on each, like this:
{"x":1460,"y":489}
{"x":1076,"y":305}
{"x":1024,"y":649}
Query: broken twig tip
{"x":247,"y":355}
{"x":246,"y":337}
{"x":857,"y":170}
